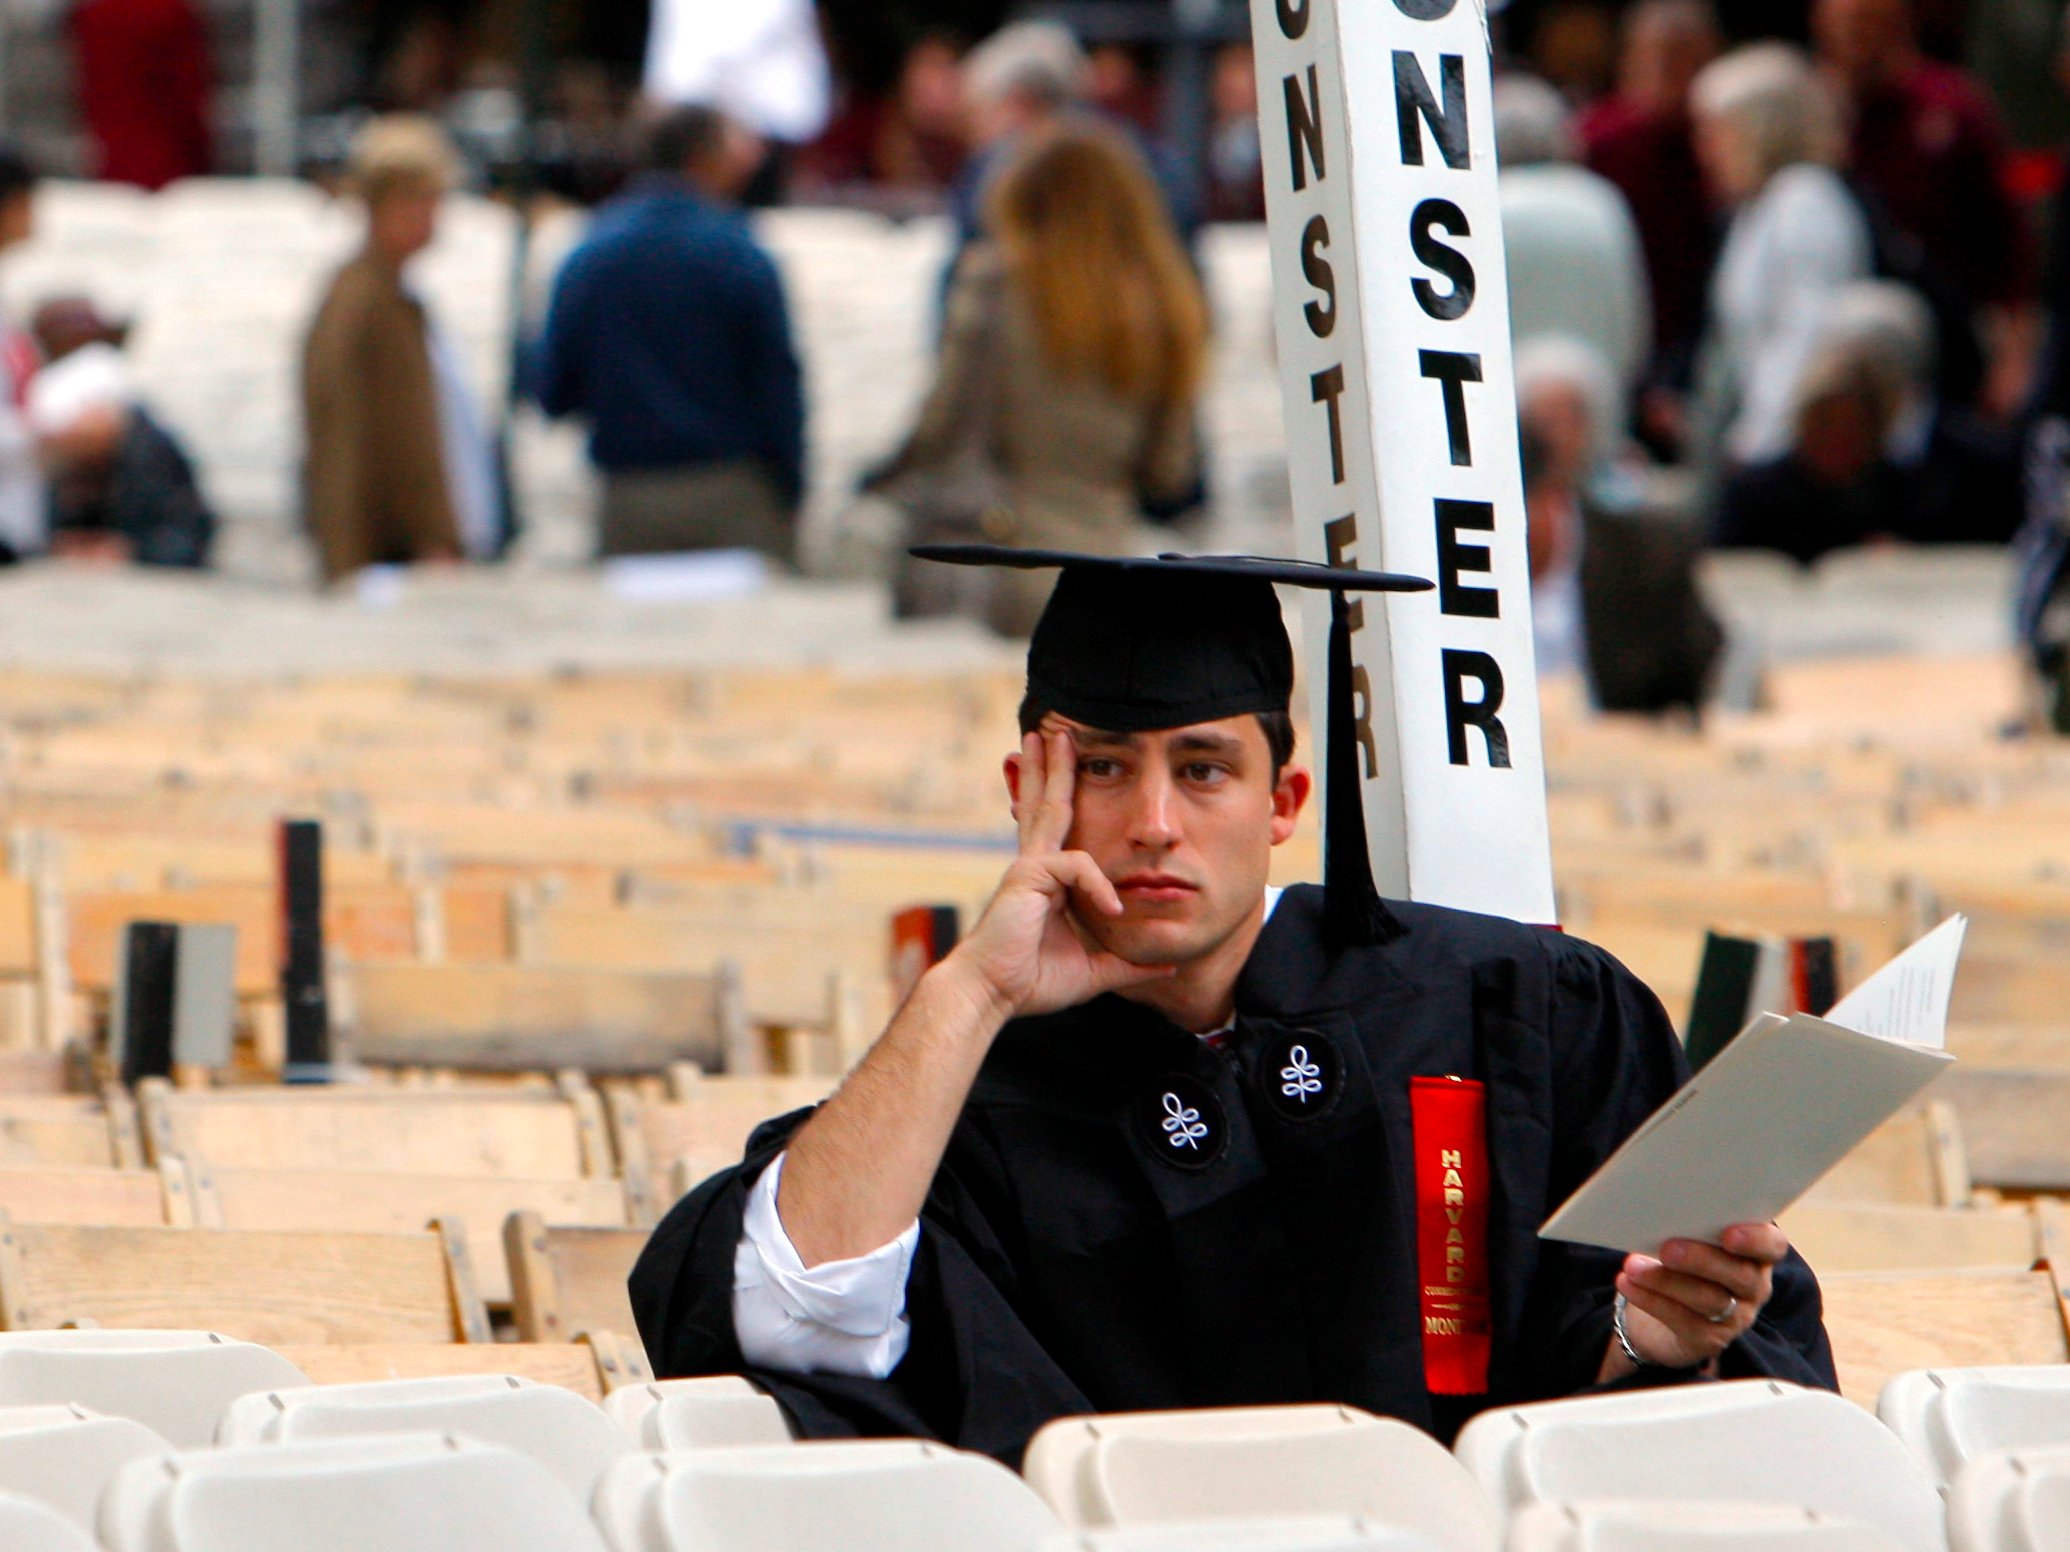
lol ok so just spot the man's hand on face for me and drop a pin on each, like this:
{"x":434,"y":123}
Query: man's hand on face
{"x":1030,"y":954}
{"x":1686,"y":1306}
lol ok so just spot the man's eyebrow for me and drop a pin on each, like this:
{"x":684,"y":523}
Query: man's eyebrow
{"x":1207,"y":743}
{"x":1100,"y":738}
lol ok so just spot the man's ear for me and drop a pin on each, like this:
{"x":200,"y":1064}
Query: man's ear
{"x":1289,"y":796}
{"x":1012,"y":768}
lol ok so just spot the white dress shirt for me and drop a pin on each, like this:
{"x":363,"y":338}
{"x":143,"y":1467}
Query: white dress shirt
{"x":840,"y":1317}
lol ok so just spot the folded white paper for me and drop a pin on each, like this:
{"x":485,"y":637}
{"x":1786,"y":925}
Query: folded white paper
{"x":1782,"y":1103}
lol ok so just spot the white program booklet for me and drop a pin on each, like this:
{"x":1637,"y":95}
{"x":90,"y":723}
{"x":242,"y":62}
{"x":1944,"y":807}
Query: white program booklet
{"x":1782,"y":1103}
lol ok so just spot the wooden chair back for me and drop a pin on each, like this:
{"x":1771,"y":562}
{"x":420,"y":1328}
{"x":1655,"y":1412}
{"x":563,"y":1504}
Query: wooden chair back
{"x":2013,"y":1120}
{"x":132,"y":1198}
{"x":76,"y":1131}
{"x":1882,"y":1323}
{"x":532,"y":1133}
{"x":706,"y":1120}
{"x":1874,"y":1237}
{"x":569,"y":1282}
{"x":1917,"y":1158}
{"x":368,"y":1201}
{"x":266,"y":1287}
{"x":500,"y":1018}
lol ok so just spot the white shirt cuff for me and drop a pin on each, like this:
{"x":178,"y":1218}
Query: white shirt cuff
{"x":841,"y":1317}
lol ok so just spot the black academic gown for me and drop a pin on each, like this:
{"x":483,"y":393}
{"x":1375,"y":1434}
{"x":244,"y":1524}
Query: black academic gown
{"x":1068,"y":1264}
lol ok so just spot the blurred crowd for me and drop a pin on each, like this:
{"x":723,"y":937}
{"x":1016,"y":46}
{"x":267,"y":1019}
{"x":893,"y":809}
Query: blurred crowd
{"x":1826,"y":247}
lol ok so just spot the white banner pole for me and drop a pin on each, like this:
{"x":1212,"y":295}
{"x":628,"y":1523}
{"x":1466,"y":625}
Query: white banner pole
{"x":1391,"y":305}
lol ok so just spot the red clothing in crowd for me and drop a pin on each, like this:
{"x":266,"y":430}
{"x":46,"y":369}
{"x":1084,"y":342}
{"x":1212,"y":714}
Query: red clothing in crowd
{"x":1651,"y":157}
{"x":1929,"y":147}
{"x":144,"y":87}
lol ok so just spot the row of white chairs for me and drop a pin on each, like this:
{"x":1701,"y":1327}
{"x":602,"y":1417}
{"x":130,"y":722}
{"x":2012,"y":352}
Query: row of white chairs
{"x":80,"y":1409}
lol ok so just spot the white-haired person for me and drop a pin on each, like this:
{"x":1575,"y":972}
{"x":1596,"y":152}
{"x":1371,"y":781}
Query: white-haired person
{"x":1024,"y":78}
{"x":1613,"y":584}
{"x":1769,"y":135}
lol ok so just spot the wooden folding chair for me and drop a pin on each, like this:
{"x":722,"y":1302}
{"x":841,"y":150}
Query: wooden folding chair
{"x":266,"y":1287}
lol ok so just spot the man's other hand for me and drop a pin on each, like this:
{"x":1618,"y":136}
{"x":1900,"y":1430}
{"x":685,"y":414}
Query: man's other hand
{"x":1687,"y":1305}
{"x":1027,"y":951}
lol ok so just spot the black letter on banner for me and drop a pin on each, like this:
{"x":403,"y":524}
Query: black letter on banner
{"x":1324,"y":387}
{"x":1447,"y":261}
{"x":1414,"y":105}
{"x":1461,"y":713}
{"x":1454,"y":596}
{"x":1454,"y":369}
{"x":1321,"y":316}
{"x":1424,"y":10}
{"x":1304,"y":127}
{"x":1293,"y":18}
{"x":1341,"y":534}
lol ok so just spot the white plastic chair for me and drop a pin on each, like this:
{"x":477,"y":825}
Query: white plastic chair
{"x":1636,"y":1526}
{"x":175,"y":1383}
{"x":1745,"y":1441}
{"x":35,"y":1527}
{"x":395,"y":1492}
{"x":1951,"y":1416}
{"x":1305,"y":1534}
{"x":876,"y":1496}
{"x":703,"y":1413}
{"x":569,"y":1436}
{"x":1055,"y":1460}
{"x":1252,"y":1462}
{"x":62,"y":1456}
{"x":2012,"y":1503}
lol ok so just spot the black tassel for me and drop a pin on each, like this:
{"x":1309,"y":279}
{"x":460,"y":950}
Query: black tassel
{"x":1353,"y":913}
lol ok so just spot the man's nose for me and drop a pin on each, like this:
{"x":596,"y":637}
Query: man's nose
{"x":1154,"y":821}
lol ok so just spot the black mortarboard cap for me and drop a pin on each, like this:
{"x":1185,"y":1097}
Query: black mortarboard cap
{"x":1131,"y":644}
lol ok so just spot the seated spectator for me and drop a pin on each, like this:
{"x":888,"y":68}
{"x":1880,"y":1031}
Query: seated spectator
{"x":1873,"y":456}
{"x":1640,"y":138}
{"x":1559,"y":221}
{"x":1768,"y":133}
{"x":24,"y":514}
{"x":121,"y":487}
{"x":1073,"y":355}
{"x":668,"y":331}
{"x":1613,"y":579}
{"x":398,"y":468}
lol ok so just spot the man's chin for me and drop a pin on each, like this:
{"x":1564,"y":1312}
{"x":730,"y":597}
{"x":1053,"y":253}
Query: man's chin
{"x":1153,"y":941}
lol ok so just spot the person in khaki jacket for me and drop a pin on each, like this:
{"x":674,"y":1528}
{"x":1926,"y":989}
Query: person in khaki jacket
{"x":395,"y":470}
{"x":1072,"y":356}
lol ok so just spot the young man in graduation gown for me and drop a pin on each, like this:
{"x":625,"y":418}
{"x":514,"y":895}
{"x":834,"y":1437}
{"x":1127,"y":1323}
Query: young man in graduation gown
{"x":1157,"y":1135}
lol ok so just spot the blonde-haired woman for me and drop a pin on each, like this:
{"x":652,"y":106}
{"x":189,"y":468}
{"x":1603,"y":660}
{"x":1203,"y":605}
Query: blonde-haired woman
{"x":1768,"y":133}
{"x":1072,"y":357}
